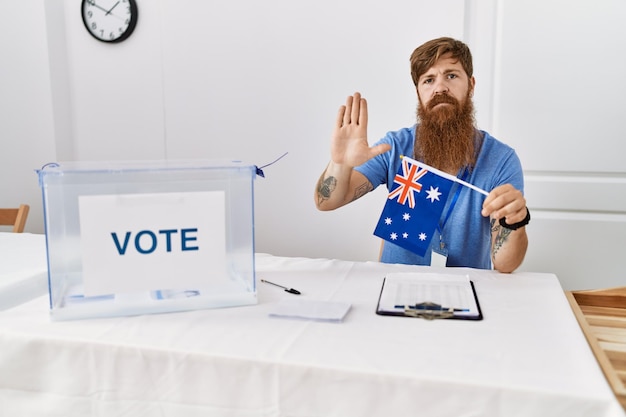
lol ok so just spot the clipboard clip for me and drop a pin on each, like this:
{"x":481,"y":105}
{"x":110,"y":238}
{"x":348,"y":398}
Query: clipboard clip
{"x":429,"y":311}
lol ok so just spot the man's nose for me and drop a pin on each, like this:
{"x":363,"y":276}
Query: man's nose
{"x":441,"y":87}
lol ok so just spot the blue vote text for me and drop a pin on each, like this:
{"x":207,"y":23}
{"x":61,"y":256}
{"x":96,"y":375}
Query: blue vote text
{"x":147,"y":241}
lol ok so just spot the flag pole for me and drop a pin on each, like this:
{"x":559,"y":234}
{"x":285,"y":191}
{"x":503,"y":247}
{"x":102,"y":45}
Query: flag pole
{"x":446,"y":175}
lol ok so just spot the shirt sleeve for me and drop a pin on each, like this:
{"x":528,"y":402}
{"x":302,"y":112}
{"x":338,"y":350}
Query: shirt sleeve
{"x":382,"y":168}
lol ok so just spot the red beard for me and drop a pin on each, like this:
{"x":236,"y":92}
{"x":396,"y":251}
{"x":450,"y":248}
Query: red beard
{"x":445,"y":135}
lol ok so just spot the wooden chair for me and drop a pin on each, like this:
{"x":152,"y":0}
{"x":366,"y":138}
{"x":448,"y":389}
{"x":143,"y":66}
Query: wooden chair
{"x":15,"y":217}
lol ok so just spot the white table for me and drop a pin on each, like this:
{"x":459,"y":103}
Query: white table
{"x":527,"y":357}
{"x":23,"y":268}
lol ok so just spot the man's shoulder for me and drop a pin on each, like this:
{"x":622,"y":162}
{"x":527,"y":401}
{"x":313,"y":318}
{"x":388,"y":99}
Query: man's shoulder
{"x":492,"y":144}
{"x":497,"y":160}
{"x":406,"y":134}
{"x":401,"y":140}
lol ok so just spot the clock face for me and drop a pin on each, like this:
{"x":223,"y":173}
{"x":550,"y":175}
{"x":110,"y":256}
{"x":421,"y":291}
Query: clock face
{"x":109,"y":20}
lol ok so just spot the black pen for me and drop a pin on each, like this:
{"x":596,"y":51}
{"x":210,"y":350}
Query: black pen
{"x":289,"y":290}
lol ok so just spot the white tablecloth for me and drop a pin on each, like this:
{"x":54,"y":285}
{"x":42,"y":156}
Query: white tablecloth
{"x":23,"y":268}
{"x":527,"y":357}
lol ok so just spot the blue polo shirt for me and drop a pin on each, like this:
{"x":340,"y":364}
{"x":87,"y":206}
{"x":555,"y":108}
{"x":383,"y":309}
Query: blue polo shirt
{"x":464,"y":231}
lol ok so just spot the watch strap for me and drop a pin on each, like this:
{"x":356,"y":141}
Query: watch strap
{"x":517,"y":225}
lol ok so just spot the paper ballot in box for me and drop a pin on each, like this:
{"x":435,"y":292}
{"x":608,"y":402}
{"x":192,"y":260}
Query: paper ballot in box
{"x":127,"y":238}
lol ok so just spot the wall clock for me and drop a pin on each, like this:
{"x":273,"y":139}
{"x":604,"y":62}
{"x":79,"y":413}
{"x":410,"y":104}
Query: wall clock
{"x":109,"y":20}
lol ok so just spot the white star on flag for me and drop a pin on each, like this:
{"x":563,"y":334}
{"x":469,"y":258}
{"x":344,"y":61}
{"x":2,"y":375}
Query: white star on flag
{"x":433,"y":194}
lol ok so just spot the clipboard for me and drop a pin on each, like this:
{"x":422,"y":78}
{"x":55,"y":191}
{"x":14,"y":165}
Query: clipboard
{"x":429,"y":296}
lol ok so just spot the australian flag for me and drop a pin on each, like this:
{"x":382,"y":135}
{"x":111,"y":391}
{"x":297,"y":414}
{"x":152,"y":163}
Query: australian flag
{"x":413,"y":208}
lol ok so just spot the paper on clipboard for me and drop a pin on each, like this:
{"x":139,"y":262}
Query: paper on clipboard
{"x":410,"y":294}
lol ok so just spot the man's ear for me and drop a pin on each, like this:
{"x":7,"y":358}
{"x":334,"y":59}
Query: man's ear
{"x":472,"y":84}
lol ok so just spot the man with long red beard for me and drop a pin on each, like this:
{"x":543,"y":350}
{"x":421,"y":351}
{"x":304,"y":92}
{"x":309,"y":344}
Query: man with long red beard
{"x":473,"y":231}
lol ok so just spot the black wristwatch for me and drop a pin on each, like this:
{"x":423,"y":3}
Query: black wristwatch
{"x":517,"y":225}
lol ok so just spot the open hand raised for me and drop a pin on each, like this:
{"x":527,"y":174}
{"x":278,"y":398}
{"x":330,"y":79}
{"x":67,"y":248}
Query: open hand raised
{"x":349,"y":142}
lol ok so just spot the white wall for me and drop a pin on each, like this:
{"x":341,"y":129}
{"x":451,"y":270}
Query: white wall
{"x":558,"y":99}
{"x":251,"y":80}
{"x":26,"y":118}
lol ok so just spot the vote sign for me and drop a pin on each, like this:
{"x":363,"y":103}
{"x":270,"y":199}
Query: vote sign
{"x":146,"y":242}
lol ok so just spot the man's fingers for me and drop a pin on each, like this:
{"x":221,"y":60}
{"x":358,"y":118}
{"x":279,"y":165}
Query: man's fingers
{"x":505,"y":201}
{"x":379,"y":149}
{"x":354,"y":112}
{"x":339,"y":121}
{"x":356,"y":108}
{"x":348,"y":112}
{"x":363,"y":113}
{"x":514,"y":213}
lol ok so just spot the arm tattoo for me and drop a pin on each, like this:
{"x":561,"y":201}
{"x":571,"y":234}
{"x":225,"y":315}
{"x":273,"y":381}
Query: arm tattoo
{"x":362,"y":189}
{"x":502,"y":235}
{"x":325,"y":188}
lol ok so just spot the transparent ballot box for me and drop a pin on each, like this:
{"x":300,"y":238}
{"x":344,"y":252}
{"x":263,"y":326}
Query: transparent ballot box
{"x":126,"y":238}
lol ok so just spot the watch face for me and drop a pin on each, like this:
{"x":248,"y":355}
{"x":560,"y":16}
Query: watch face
{"x":109,"y":20}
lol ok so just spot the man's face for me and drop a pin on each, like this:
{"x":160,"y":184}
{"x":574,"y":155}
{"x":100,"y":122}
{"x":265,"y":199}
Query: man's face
{"x":446,"y":77}
{"x":445,"y":135}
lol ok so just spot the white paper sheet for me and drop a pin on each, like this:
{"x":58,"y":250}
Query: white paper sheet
{"x":307,"y":309}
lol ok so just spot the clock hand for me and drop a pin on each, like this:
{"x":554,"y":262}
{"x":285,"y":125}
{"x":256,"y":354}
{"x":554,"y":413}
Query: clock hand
{"x":107,"y":12}
{"x":100,"y":7}
{"x":111,"y":9}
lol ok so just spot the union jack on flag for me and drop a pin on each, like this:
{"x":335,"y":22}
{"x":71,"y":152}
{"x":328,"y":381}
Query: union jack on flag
{"x":410,"y":217}
{"x":407,"y":183}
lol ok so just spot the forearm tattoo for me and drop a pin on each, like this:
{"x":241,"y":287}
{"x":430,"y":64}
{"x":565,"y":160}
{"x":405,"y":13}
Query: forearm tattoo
{"x":362,"y":189}
{"x":502,"y":235}
{"x":326,"y":187}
